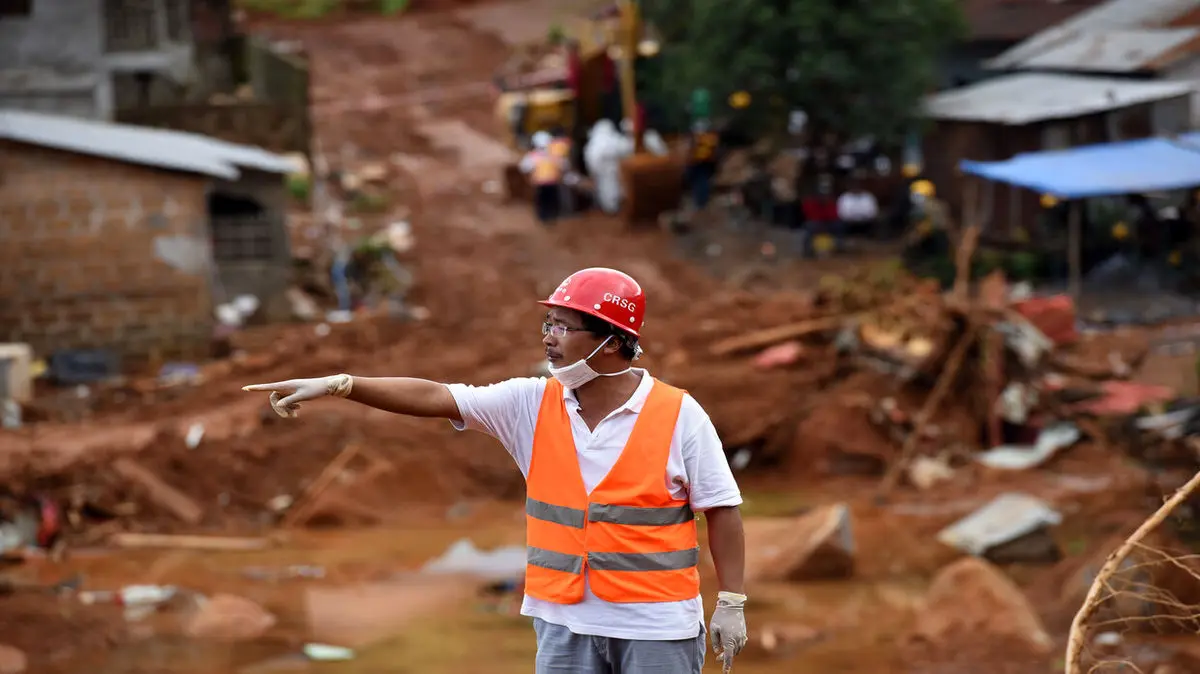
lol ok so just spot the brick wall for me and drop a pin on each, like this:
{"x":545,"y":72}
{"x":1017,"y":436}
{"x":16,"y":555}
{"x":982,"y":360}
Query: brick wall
{"x":80,"y":265}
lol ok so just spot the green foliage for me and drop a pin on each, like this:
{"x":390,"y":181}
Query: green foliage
{"x":390,"y":7}
{"x":315,"y":9}
{"x":292,"y":9}
{"x":299,"y":187}
{"x":855,"y":66}
{"x":393,"y":6}
{"x":1023,"y":266}
{"x":556,"y":34}
{"x":368,"y":202}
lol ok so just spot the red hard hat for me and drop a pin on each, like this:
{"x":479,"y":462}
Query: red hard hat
{"x":604,"y":293}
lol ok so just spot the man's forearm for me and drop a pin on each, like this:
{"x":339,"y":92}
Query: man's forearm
{"x":405,"y":395}
{"x":727,"y":543}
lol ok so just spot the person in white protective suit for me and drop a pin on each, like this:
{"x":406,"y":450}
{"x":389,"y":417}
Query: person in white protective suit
{"x":606,"y":147}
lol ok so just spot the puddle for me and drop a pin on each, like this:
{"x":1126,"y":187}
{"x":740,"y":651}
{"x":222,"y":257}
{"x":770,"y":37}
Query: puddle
{"x":353,"y":589}
{"x":363,"y":590}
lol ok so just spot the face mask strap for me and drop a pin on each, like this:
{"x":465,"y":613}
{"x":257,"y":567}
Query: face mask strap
{"x":597,"y":349}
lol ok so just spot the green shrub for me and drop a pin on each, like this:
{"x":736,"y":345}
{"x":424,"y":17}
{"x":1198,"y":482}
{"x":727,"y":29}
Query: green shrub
{"x":392,"y":7}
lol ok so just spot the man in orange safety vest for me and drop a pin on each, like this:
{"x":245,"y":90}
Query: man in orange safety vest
{"x":617,"y":463}
{"x":546,"y":170}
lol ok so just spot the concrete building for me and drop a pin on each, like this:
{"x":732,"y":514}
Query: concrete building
{"x":124,"y":237}
{"x":85,"y":57}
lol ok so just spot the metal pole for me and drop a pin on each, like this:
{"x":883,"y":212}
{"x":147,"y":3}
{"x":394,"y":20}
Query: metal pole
{"x":630,"y":23}
{"x":1074,"y":245}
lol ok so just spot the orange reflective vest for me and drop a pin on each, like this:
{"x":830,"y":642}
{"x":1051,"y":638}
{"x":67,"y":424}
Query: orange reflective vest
{"x":560,"y":147}
{"x":704,"y":146}
{"x":547,"y":169}
{"x":635,"y":540}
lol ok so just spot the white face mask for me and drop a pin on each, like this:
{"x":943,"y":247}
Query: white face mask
{"x":579,"y":373}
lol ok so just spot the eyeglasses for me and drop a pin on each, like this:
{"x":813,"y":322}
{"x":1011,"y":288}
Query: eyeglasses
{"x":559,"y":331}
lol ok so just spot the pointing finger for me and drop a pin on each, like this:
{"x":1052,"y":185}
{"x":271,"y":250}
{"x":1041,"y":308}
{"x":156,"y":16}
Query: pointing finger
{"x":276,"y":386}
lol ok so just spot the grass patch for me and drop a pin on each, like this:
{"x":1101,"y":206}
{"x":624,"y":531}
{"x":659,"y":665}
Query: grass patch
{"x":316,"y":9}
{"x":368,"y":202}
{"x":299,"y":187}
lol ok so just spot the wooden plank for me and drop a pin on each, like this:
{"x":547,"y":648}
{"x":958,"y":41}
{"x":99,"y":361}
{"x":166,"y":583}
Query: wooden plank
{"x":761,"y":339}
{"x":186,"y":542}
{"x":166,"y":496}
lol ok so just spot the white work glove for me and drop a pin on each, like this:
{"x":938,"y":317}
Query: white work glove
{"x":296,"y":391}
{"x":728,"y":627}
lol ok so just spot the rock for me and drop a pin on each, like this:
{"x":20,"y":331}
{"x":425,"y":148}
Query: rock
{"x":229,"y":618}
{"x":815,"y":546}
{"x":1000,"y":527}
{"x":1035,"y":547}
{"x":972,"y":597}
{"x":12,"y":660}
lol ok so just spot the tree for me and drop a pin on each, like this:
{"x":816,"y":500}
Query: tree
{"x":855,"y":67}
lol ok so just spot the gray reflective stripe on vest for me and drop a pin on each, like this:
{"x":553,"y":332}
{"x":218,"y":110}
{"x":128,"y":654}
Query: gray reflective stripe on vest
{"x":644,"y":561}
{"x":614,"y":561}
{"x":640,"y":517}
{"x":555,"y":561}
{"x":568,"y":517}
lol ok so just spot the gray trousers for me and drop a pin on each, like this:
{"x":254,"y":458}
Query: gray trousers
{"x":561,"y":651}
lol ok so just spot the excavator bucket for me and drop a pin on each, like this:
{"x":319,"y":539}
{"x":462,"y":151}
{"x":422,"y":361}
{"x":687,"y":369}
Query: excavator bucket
{"x":652,"y":185}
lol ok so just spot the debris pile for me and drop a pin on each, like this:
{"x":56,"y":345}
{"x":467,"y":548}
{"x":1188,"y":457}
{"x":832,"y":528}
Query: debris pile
{"x":896,"y":378}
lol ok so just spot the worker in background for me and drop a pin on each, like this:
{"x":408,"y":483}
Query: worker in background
{"x":856,"y":208}
{"x":820,"y":218}
{"x":560,"y":147}
{"x":606,"y":147}
{"x":616,"y":463}
{"x":701,"y":165}
{"x":928,"y":250}
{"x":545,"y":171}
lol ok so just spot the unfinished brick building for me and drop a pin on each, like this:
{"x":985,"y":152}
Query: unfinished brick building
{"x":123,"y":238}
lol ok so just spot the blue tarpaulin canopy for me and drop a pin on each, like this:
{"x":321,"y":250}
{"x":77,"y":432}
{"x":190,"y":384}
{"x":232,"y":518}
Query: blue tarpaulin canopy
{"x":1128,"y":167}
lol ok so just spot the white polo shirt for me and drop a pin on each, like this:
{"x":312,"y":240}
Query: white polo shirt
{"x":696,"y":470}
{"x":857,"y":207}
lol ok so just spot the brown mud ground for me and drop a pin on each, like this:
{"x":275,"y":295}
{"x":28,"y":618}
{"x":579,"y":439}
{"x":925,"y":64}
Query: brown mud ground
{"x":412,"y":92}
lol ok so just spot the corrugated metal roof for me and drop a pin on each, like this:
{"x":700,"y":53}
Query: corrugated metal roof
{"x":1112,"y":51}
{"x":1112,"y":15}
{"x":159,"y":148}
{"x":1025,"y":98}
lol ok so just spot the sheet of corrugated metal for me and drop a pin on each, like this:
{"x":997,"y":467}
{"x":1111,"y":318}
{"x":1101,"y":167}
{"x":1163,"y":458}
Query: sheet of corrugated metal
{"x":1112,"y":51}
{"x":1025,"y":98}
{"x":1112,"y":15}
{"x":173,"y":150}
